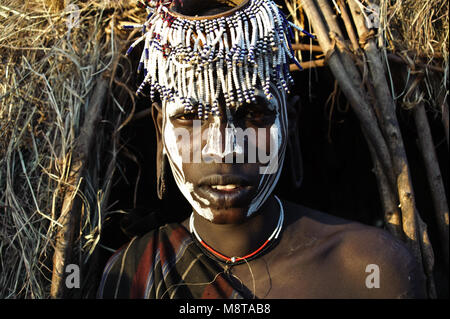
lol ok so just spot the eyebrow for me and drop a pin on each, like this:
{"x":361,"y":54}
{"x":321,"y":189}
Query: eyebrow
{"x":173,"y":108}
{"x":261,"y":98}
{"x":176,"y":108}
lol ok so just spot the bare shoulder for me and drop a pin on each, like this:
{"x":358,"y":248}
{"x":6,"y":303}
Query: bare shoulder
{"x":390,"y":269}
{"x":368,"y":262}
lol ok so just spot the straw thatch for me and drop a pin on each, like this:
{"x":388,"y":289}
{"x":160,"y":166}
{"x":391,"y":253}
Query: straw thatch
{"x":52,"y":61}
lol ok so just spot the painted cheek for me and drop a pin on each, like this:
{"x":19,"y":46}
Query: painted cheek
{"x":170,"y":143}
{"x":273,"y":139}
{"x":270,"y":140}
{"x":173,"y":148}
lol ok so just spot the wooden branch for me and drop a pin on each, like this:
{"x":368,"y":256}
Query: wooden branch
{"x":349,"y":80}
{"x":306,"y":47}
{"x":391,"y":128}
{"x":445,"y":119}
{"x":330,"y":17}
{"x":434,"y":176}
{"x":70,"y":212}
{"x":348,"y":25}
{"x":395,"y":58}
{"x":386,"y":188}
{"x":428,"y":257}
{"x":389,"y":200}
{"x":308,"y":65}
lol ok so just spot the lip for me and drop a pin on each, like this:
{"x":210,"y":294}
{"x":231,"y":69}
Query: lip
{"x":217,"y":179}
{"x":236,"y":197}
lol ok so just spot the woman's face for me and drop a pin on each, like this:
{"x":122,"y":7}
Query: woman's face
{"x":226,"y":166}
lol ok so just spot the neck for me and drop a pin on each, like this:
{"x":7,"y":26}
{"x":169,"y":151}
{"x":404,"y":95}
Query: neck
{"x":237,"y":240}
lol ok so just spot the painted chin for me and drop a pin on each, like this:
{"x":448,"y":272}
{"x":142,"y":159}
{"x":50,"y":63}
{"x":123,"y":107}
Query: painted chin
{"x":221,"y":197}
{"x":221,"y":215}
{"x":229,"y":216}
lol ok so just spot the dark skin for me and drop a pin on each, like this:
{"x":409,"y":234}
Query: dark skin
{"x":316,"y":256}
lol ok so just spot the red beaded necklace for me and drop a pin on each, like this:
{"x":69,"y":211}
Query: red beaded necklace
{"x":233,"y":260}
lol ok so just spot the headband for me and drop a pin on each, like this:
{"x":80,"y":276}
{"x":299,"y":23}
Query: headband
{"x":195,"y":59}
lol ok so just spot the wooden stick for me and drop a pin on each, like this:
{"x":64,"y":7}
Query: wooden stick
{"x":386,"y":188}
{"x":330,"y":17}
{"x":347,"y":76}
{"x":308,"y":65}
{"x":428,"y":257}
{"x":445,"y":119}
{"x":433,"y":175}
{"x":70,"y":213}
{"x":397,"y":59}
{"x":390,"y":126}
{"x":348,"y":25}
{"x":306,"y":47}
{"x":389,"y":200}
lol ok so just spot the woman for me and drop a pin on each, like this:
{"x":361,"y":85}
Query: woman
{"x":218,"y":75}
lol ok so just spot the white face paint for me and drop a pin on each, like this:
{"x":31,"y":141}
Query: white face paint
{"x":269,"y":174}
{"x":176,"y":160}
{"x":278,"y":136}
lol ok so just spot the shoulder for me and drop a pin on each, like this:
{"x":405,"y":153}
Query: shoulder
{"x":135,"y":259}
{"x":390,"y":269}
{"x":372,"y":262}
{"x":171,"y":233}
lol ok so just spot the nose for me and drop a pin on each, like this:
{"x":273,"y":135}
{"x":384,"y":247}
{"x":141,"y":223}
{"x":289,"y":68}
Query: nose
{"x":221,"y":140}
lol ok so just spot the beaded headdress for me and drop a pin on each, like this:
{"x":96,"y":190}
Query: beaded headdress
{"x":195,"y":59}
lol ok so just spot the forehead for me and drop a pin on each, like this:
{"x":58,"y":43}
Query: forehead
{"x":261,"y":100}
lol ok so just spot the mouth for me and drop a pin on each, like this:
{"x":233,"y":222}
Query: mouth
{"x":225,"y":190}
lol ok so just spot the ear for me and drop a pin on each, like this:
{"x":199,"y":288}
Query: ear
{"x":294,"y":153}
{"x":161,"y":159}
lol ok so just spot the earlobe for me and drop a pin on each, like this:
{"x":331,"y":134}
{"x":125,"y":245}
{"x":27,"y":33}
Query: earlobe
{"x":294,"y":151}
{"x":161,"y":160}
{"x":293,"y":109}
{"x":157,"y":116}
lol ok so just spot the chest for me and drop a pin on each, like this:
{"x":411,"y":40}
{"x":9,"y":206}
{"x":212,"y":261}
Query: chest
{"x":295,"y":276}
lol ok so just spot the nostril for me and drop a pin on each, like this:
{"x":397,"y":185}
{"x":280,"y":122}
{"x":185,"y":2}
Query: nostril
{"x":222,"y":143}
{"x":211,"y":158}
{"x":213,"y":147}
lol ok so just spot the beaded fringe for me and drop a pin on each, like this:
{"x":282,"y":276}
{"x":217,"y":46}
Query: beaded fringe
{"x":195,"y":61}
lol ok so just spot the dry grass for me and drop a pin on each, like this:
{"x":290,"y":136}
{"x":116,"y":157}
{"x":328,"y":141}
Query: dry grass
{"x":418,"y":32}
{"x":47,"y":73}
{"x":420,"y":27}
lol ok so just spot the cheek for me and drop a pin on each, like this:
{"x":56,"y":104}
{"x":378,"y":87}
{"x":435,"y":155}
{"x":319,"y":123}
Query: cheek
{"x":269,"y":139}
{"x":172,"y":143}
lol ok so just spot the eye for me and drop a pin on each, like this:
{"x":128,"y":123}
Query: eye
{"x":183,"y":116}
{"x":185,"y":119}
{"x":255,"y":114}
{"x":252,"y":114}
{"x":187,"y":116}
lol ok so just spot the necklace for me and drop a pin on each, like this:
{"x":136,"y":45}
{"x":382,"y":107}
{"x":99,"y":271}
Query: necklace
{"x":236,"y":260}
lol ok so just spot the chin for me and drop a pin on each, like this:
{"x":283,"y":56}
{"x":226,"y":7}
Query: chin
{"x":232,"y":215}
